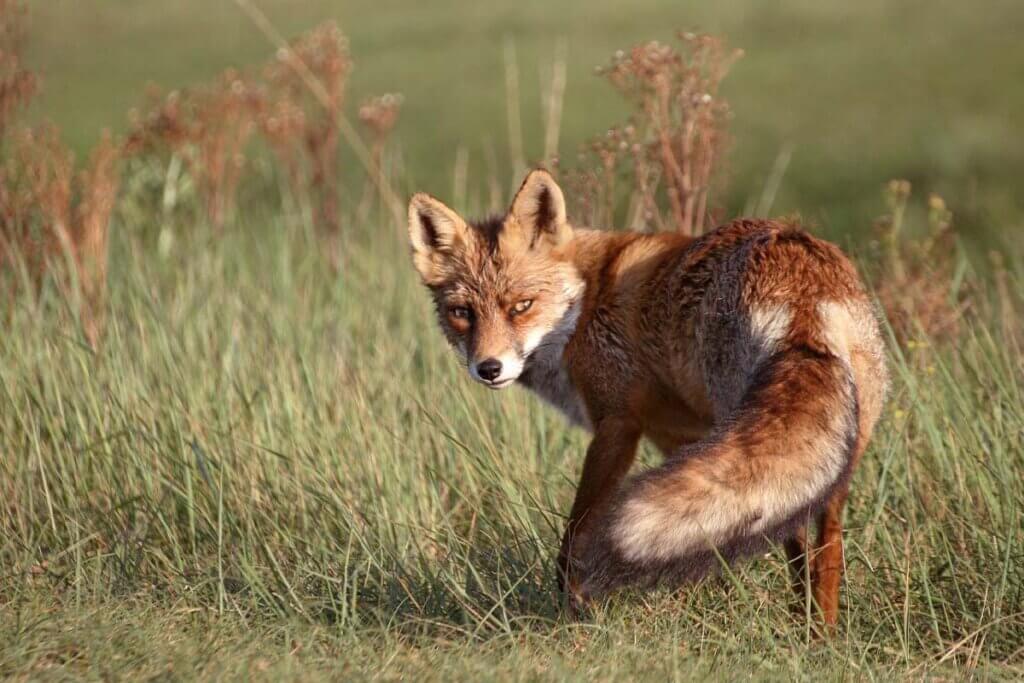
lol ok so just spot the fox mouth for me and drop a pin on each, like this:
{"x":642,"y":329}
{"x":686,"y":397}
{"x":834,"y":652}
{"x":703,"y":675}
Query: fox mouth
{"x":499,"y":384}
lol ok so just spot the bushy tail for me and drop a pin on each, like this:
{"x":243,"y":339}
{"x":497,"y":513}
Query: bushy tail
{"x":785,"y":448}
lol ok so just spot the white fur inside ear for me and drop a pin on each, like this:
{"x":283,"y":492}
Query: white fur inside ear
{"x":539,"y":205}
{"x":432,"y":225}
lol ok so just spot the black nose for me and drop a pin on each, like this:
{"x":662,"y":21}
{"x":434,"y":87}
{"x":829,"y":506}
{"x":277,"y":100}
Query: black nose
{"x":489,"y":369}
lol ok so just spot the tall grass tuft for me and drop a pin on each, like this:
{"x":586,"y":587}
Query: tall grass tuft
{"x":919,"y":274}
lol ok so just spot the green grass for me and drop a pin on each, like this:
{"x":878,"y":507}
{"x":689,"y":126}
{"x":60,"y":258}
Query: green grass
{"x":269,"y":469}
{"x":860,"y":92}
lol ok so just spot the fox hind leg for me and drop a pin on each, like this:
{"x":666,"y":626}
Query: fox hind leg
{"x":828,"y":558}
{"x":816,"y":565}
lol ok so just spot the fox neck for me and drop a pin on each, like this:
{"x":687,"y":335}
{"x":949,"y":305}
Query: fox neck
{"x":547,"y":372}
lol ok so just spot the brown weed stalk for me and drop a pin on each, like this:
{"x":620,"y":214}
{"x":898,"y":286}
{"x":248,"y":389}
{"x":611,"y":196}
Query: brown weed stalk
{"x":209,"y":128}
{"x":302,"y":128}
{"x":17,"y":84}
{"x":379,"y":115}
{"x":673,"y":145}
{"x":35,"y":199}
{"x":98,"y":185}
{"x":57,"y":222}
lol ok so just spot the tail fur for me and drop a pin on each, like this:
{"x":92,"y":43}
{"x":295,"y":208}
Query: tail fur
{"x":752,"y":481}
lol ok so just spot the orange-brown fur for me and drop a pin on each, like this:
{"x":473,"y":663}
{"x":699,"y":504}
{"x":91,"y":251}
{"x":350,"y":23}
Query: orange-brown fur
{"x":750,"y":357}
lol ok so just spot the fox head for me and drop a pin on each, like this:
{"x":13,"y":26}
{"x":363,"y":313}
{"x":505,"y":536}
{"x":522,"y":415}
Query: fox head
{"x":504,"y":288}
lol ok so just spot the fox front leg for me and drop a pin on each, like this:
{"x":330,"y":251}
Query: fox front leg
{"x":609,"y":457}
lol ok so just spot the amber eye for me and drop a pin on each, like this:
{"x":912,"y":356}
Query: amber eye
{"x":460,"y":312}
{"x":522,"y":306}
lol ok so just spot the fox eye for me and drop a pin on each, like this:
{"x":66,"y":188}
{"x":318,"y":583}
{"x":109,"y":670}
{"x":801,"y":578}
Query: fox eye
{"x":522,"y":306}
{"x":460,"y":312}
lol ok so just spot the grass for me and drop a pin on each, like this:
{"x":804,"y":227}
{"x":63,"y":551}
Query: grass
{"x":270,"y":469}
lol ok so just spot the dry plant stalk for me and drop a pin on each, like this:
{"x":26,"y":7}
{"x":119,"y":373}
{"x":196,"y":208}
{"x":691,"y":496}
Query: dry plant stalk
{"x":303,"y":129}
{"x":17,"y":84}
{"x":674,"y":143}
{"x":35,"y":199}
{"x":379,"y":115}
{"x":916,"y":283}
{"x":295,"y":103}
{"x":52,"y":221}
{"x":52,"y":218}
{"x":98,"y":184}
{"x":209,"y":128}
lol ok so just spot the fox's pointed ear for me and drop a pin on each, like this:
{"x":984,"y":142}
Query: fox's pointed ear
{"x":539,"y":210}
{"x":434,"y":232}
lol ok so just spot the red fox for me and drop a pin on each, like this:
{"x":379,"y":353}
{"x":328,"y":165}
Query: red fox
{"x":750,"y":357}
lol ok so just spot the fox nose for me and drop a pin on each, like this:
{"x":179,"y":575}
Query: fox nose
{"x":489,"y":369}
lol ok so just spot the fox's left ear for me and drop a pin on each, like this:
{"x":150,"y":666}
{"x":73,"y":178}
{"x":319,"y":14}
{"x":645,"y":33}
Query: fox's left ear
{"x":539,"y":210}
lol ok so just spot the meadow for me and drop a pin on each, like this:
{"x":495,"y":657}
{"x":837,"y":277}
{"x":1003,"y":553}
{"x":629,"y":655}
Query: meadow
{"x":266,"y":464}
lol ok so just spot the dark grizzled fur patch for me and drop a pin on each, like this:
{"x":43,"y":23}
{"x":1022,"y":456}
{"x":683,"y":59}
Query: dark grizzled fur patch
{"x":489,"y":228}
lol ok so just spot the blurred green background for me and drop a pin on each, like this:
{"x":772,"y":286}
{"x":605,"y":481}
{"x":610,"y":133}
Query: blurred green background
{"x":859,"y":92}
